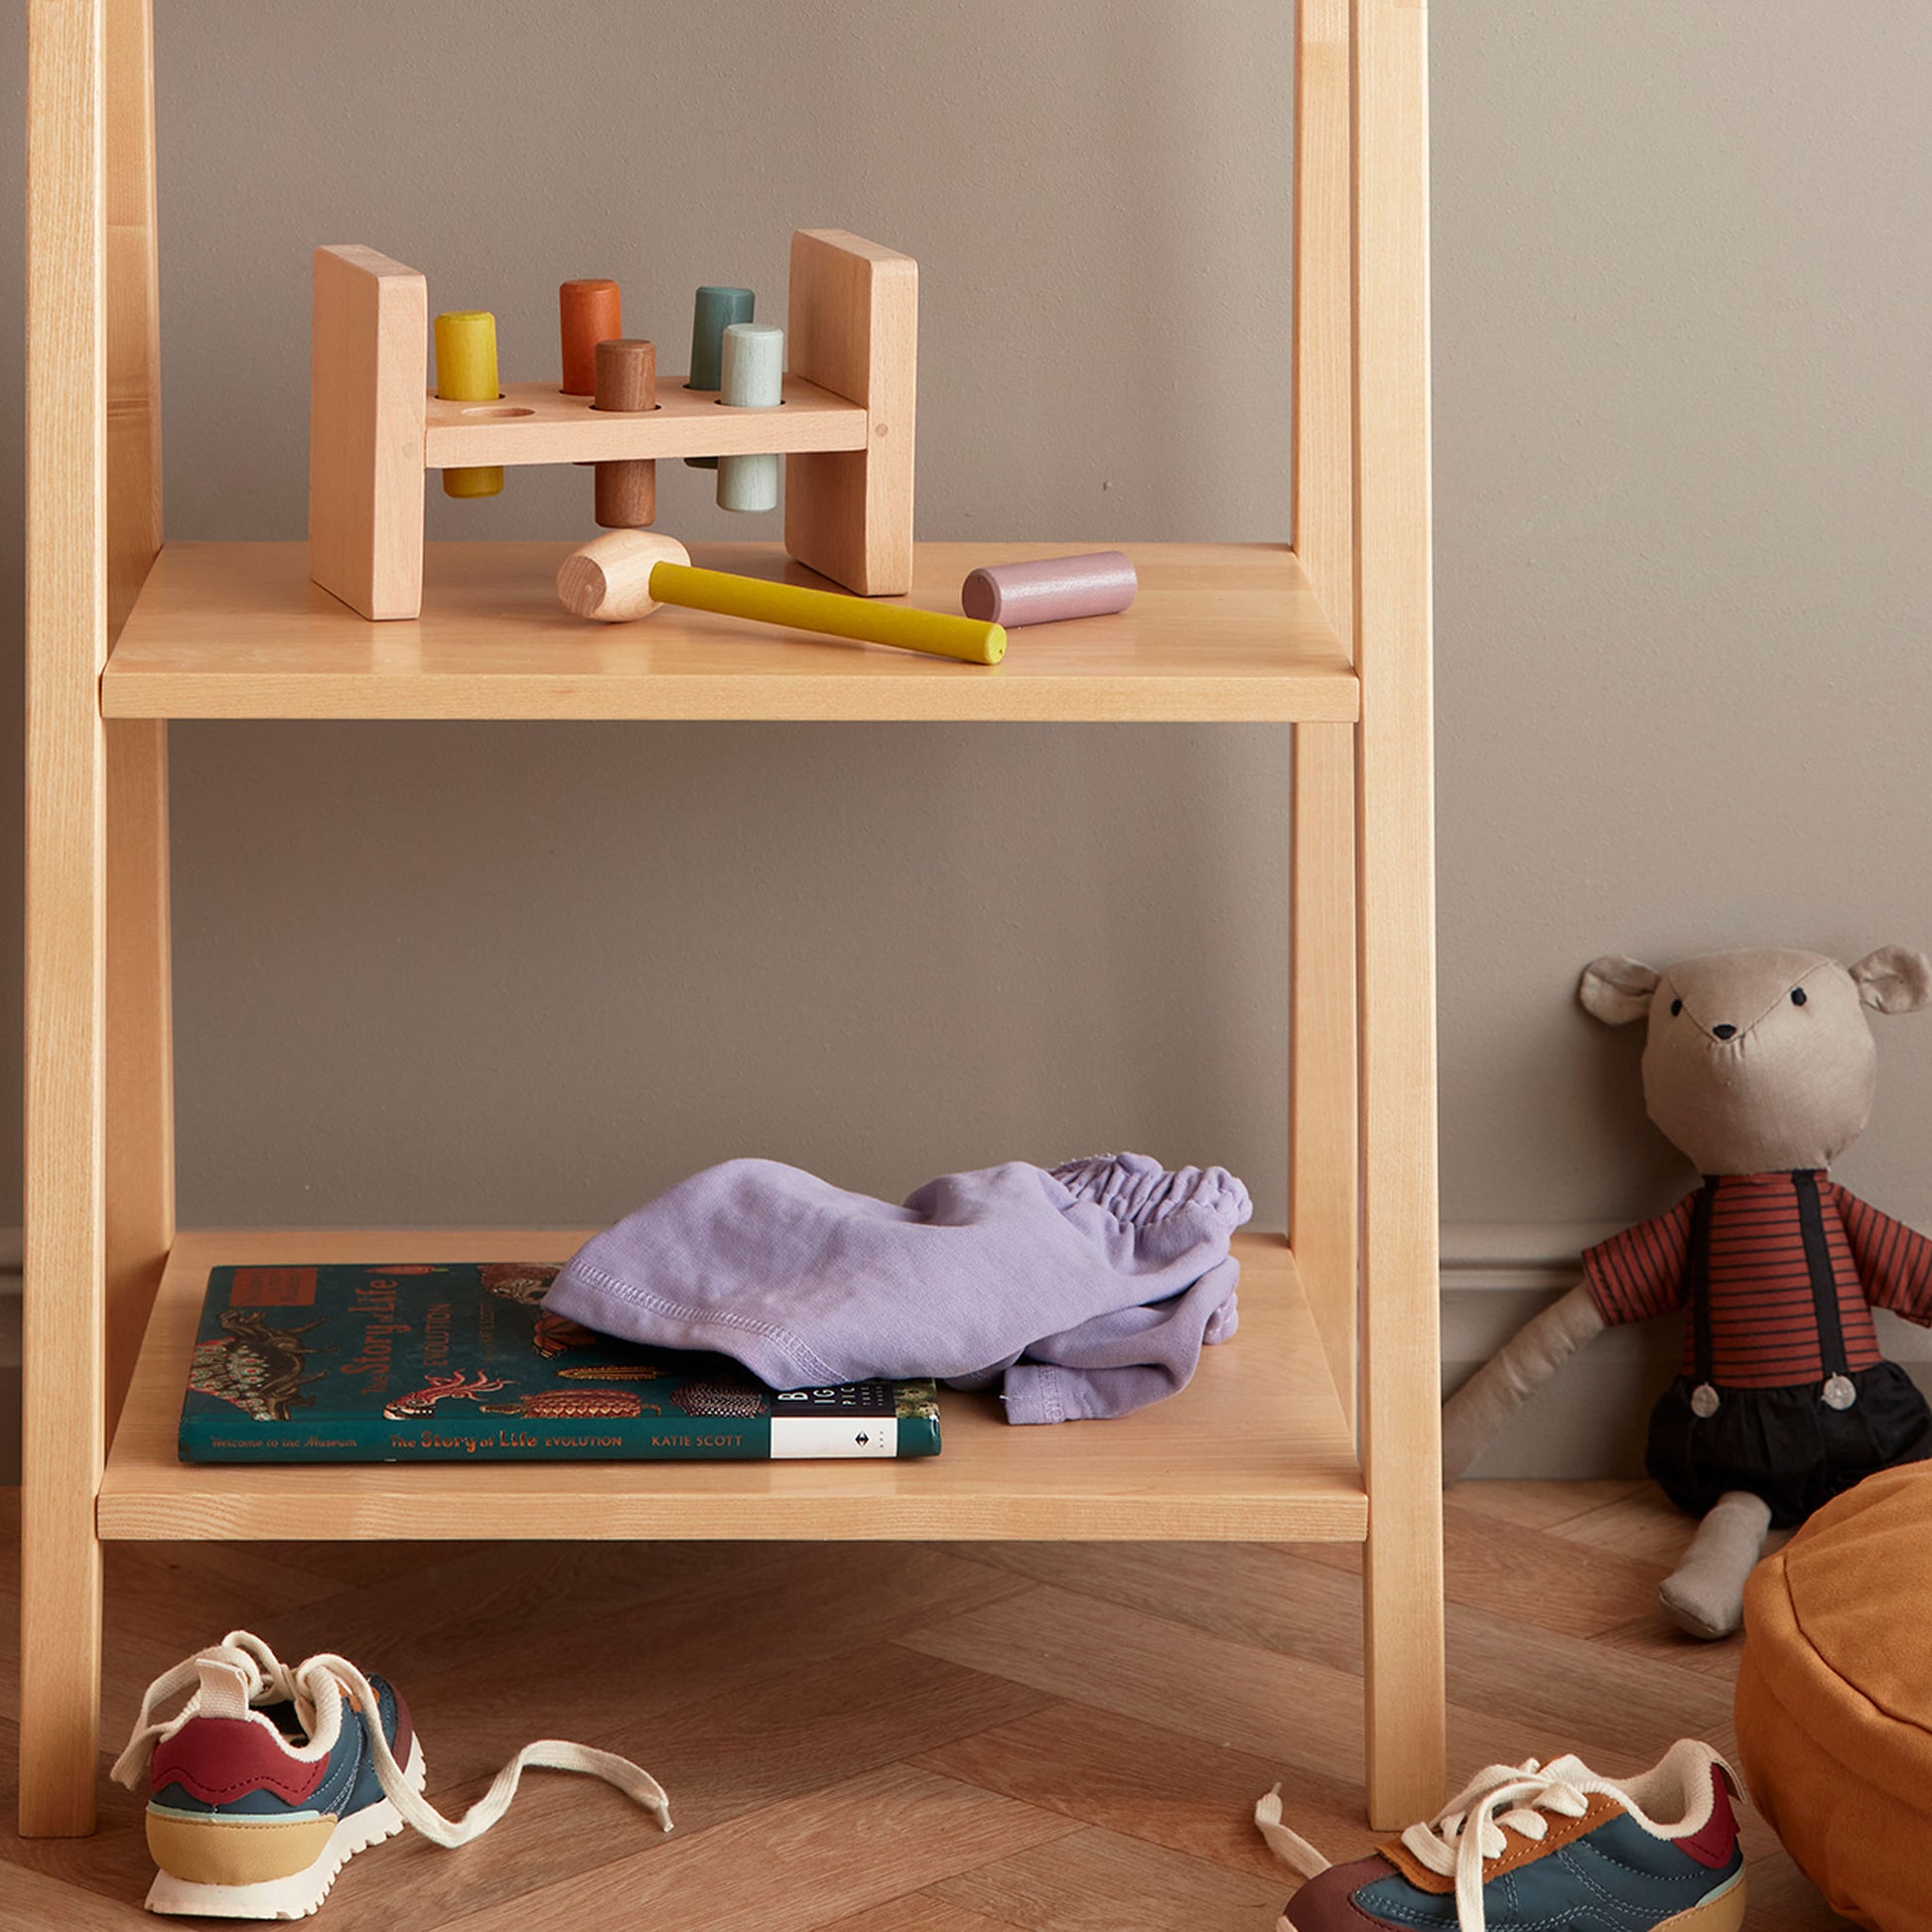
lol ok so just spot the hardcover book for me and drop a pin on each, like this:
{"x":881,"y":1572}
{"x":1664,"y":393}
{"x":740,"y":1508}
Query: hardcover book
{"x":458,"y":1361}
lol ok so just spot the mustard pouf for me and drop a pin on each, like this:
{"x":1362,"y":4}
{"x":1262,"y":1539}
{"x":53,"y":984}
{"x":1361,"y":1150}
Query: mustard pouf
{"x":1835,"y":1699}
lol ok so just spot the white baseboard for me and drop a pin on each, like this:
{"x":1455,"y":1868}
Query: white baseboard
{"x":1591,"y":1421}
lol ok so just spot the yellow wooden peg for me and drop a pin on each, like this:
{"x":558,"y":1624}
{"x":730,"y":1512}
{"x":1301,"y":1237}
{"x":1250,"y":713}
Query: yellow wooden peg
{"x":466,"y":371}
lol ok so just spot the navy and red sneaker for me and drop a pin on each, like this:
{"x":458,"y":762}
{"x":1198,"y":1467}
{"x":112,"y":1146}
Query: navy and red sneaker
{"x":269,"y":1779}
{"x":1542,"y":1845}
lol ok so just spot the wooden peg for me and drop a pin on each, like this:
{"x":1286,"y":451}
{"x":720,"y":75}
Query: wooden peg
{"x":625,"y":379}
{"x":588,"y":312}
{"x":753,"y":378}
{"x":466,"y":370}
{"x":712,"y":313}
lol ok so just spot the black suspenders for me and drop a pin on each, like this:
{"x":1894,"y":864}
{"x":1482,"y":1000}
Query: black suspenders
{"x":1697,"y":1281}
{"x":1839,"y":1391}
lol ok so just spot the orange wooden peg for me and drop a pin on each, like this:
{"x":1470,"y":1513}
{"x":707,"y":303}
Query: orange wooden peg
{"x":589,"y":312}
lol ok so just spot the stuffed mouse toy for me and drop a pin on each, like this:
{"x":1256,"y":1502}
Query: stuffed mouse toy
{"x":1760,"y":1067}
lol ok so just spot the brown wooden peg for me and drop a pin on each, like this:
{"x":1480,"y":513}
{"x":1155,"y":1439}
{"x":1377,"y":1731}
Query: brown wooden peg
{"x":626,"y":380}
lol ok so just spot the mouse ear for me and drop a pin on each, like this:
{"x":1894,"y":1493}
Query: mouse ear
{"x":1895,"y":979}
{"x":1618,"y":990}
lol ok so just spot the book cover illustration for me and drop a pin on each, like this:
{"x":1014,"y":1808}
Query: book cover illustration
{"x":459,"y":1361}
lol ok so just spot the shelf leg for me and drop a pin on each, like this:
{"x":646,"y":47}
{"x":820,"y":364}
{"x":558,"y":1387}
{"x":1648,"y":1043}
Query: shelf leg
{"x":1401,"y":1427}
{"x":59,"y":1664}
{"x":140,"y":1126}
{"x":1323,"y":1182}
{"x":66,"y":925}
{"x":1323,"y":1197}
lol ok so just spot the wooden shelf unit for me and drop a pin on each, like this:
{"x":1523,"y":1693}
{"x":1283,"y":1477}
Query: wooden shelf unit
{"x":1319,"y":1421}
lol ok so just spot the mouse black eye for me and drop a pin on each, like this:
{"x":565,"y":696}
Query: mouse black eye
{"x":1797,"y":996}
{"x":1676,"y":1007}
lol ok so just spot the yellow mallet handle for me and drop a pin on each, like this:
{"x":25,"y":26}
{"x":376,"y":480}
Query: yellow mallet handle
{"x":796,"y":608}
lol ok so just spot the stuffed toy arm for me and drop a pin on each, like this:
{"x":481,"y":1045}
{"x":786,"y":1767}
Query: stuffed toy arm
{"x":1501,"y":1386}
{"x":1894,"y":1262}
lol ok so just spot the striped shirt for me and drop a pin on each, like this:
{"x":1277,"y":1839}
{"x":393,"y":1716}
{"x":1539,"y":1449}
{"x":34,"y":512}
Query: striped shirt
{"x":1763,"y":1319}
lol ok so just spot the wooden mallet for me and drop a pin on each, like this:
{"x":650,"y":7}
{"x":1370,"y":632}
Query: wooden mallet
{"x":629,"y":573}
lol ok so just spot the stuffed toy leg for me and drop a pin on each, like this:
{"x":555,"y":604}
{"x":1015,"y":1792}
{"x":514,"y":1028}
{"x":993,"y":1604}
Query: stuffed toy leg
{"x":1704,"y":1595}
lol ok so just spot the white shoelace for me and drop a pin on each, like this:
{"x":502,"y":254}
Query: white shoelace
{"x":316,"y":1687}
{"x":1468,"y":1830}
{"x":1290,"y":1848}
{"x":1499,"y":1799}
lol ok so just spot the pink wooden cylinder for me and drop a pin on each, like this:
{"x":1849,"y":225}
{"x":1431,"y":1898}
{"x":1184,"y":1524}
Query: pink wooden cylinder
{"x":1093,"y":585}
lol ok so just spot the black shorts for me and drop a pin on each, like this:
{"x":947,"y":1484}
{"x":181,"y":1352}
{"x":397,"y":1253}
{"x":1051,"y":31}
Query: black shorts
{"x":1785,"y":1444}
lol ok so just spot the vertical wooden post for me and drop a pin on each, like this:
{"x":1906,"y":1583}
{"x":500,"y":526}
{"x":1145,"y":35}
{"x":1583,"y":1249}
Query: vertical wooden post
{"x":1325,"y":310}
{"x":1402,"y":1396}
{"x":1323,"y":1128}
{"x":368,"y":379}
{"x":66,"y":925}
{"x":133,"y":307}
{"x":139,"y":1202}
{"x":140,"y":1126}
{"x":854,"y":328}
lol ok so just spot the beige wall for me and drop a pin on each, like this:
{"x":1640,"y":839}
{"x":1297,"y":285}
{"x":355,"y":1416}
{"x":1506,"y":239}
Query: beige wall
{"x":506,"y":973}
{"x":1684,"y":491}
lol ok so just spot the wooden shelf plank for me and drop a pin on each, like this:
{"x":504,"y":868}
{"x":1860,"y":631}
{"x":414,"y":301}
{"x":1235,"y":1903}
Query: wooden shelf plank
{"x":1218,"y":631}
{"x":1256,"y":1449}
{"x":535,"y":422}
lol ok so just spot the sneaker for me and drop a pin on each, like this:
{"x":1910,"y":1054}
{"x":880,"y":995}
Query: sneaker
{"x":268,"y":1780}
{"x":1542,"y":1845}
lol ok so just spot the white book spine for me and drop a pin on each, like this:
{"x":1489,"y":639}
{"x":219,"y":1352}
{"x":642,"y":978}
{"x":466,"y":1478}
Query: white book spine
{"x":797,"y":1437}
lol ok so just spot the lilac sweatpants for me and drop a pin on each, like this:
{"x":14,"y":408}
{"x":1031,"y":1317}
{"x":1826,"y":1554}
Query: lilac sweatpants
{"x":1086,"y":1292}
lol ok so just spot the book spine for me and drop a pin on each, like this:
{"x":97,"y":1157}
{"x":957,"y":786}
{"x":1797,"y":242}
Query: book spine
{"x":826,"y":1437}
{"x":214,"y":1438}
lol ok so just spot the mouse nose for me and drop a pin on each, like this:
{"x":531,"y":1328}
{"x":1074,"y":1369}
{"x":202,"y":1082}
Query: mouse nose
{"x":1722,"y":1033}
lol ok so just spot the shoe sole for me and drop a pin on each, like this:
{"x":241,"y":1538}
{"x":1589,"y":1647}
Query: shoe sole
{"x":300,"y":1894}
{"x":1723,"y":1911}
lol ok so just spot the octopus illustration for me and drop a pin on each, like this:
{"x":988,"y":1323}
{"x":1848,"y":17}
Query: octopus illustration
{"x":256,"y":1365}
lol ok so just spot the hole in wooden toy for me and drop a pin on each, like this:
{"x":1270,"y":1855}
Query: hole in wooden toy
{"x":493,"y":414}
{"x":780,"y":404}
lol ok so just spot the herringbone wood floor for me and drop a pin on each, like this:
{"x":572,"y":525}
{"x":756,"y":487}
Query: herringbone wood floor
{"x":904,"y":1738}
